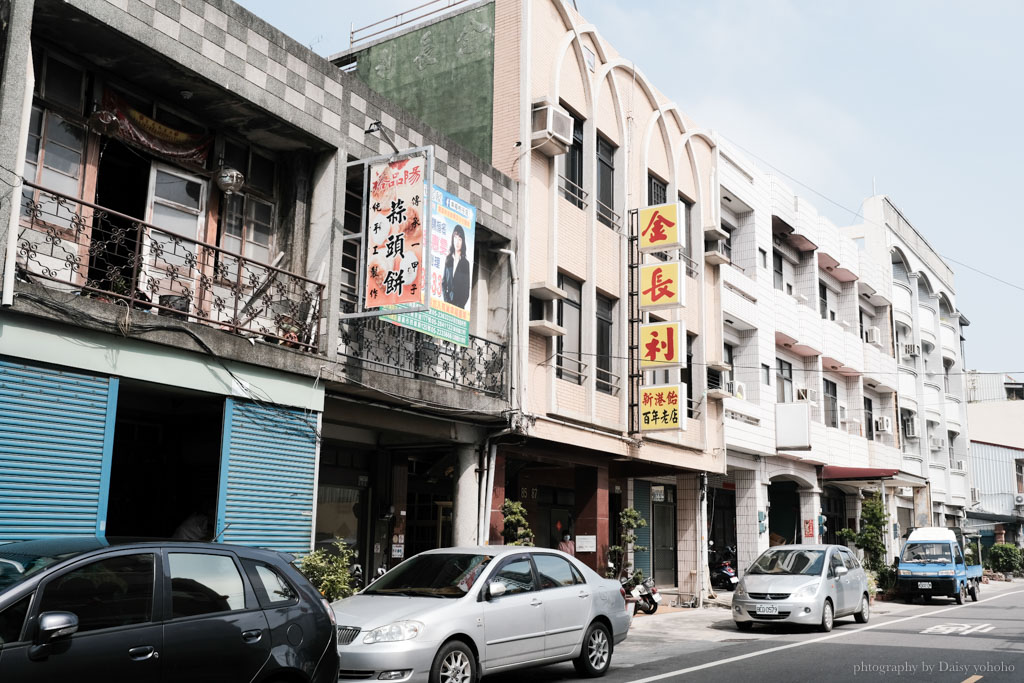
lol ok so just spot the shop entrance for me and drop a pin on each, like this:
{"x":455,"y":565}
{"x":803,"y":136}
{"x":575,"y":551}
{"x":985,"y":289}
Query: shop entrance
{"x":429,"y":502}
{"x":663,"y":534}
{"x":166,"y":461}
{"x":784,"y":513}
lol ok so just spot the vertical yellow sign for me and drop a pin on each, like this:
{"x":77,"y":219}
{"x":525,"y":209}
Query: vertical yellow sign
{"x":661,"y":345}
{"x":662,"y":285}
{"x":662,"y":407}
{"x":660,"y":228}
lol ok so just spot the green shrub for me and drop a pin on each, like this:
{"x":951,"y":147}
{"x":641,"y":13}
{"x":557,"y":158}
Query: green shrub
{"x":1005,"y":557}
{"x":871,"y":537}
{"x":630,"y":520}
{"x":329,"y":571}
{"x":517,"y":529}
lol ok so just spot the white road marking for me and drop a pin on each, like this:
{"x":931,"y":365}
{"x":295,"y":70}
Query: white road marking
{"x":738,"y":658}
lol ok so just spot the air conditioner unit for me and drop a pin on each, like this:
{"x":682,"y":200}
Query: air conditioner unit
{"x":905,"y":491}
{"x":911,"y":350}
{"x":808,"y":395}
{"x":1018,"y":500}
{"x":716,"y":252}
{"x":960,"y":465}
{"x":737,"y":389}
{"x":975,"y":495}
{"x":883,"y":423}
{"x":552,"y":130}
{"x":873,"y":335}
{"x":910,"y":427}
{"x":937,"y":443}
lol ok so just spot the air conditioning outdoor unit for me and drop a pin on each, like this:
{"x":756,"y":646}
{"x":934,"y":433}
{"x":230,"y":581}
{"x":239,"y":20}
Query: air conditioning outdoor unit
{"x":737,"y":389}
{"x":872,"y":335}
{"x":883,"y":423}
{"x":975,"y":495}
{"x":960,"y":465}
{"x":911,"y":350}
{"x":938,"y":443}
{"x":905,"y":491}
{"x":552,"y":130}
{"x":808,"y":395}
{"x":1018,"y":500}
{"x":910,"y":427}
{"x":715,"y":252}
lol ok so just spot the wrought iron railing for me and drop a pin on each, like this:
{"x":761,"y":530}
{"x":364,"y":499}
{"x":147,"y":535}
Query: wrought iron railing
{"x":378,"y":345}
{"x":573,"y":192}
{"x":608,"y":216}
{"x":105,"y":254}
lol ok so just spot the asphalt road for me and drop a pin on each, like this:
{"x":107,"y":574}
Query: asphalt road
{"x":939,"y":641}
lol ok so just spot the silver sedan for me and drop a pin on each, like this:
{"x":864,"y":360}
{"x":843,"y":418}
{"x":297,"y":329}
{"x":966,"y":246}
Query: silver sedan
{"x":454,"y":614}
{"x":802,"y":584}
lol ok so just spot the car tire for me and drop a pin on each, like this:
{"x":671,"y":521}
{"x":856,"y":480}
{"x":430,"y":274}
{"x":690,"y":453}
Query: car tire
{"x":864,"y":613}
{"x":596,"y":653}
{"x":828,"y":617}
{"x":961,"y":595}
{"x":974,"y":590}
{"x":454,"y":663}
{"x":745,"y":625}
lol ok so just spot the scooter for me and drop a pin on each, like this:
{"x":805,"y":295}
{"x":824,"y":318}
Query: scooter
{"x":723,"y":575}
{"x":647,"y":596}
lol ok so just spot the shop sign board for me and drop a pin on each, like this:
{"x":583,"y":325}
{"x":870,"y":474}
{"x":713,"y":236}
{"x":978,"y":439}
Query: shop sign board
{"x":662,"y":285}
{"x":661,"y":407}
{"x":661,"y":345}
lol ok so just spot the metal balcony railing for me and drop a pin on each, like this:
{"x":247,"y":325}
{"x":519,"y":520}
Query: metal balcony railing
{"x":376,"y":344}
{"x":607,"y":216}
{"x":572,"y":192}
{"x":98,"y":252}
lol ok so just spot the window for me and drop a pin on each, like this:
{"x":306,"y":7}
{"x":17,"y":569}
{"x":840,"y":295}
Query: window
{"x":657,"y":191}
{"x":686,"y":376}
{"x":53,"y":159}
{"x":204,"y":584}
{"x":12,"y":620}
{"x":783,"y":381}
{"x":573,"y":190}
{"x":605,"y":322}
{"x":835,"y":562}
{"x":863,"y":329}
{"x":517,"y":576}
{"x":568,"y":362}
{"x":869,"y":419}
{"x":727,"y":248}
{"x":606,"y":183}
{"x":116,"y":591}
{"x":554,"y":571}
{"x":1020,"y":476}
{"x":717,"y":379}
{"x":685,"y":234}
{"x":850,"y":560}
{"x":831,"y":403}
{"x":248,"y":216}
{"x":766,"y":374}
{"x":60,"y":83}
{"x":764,"y":257}
{"x":272,"y":589}
{"x":823,"y":300}
{"x":777,"y":267}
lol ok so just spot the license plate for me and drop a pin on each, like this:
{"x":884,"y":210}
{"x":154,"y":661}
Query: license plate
{"x":635,"y":593}
{"x":924,"y":584}
{"x":733,"y":579}
{"x":766,"y":609}
{"x":657,"y":597}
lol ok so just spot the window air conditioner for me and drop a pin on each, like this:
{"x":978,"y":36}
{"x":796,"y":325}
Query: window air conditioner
{"x":975,"y":495}
{"x":938,"y":443}
{"x":808,"y":395}
{"x":911,"y":350}
{"x":552,"y":130}
{"x":737,"y":389}
{"x":1018,"y":500}
{"x":883,"y":423}
{"x":872,"y":335}
{"x":960,"y":465}
{"x":910,"y":427}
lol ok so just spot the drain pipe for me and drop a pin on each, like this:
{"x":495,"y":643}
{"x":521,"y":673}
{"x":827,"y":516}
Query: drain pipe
{"x":11,"y":260}
{"x":486,"y":497}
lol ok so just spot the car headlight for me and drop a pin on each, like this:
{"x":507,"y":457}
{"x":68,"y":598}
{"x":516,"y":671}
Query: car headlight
{"x":740,"y":590}
{"x":806,"y":591}
{"x":400,"y":630}
{"x":906,"y":572}
{"x":946,"y":572}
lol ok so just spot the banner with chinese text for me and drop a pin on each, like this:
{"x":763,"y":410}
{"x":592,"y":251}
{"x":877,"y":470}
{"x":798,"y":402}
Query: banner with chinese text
{"x":662,"y":407}
{"x":452,"y":237}
{"x":660,"y":227}
{"x":662,"y":285}
{"x":662,"y":345}
{"x":395,"y":233}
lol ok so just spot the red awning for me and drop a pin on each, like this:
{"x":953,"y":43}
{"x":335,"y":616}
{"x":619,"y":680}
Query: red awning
{"x":834,"y":473}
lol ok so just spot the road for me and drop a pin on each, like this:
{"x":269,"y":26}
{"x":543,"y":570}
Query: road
{"x":940,"y":641}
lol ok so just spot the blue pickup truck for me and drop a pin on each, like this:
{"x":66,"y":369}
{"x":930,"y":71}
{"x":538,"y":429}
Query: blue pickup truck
{"x":932,"y":563}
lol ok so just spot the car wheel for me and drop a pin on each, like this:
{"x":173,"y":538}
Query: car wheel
{"x":453,"y":663}
{"x":827,"y":617}
{"x":961,"y":595}
{"x":973,"y":590}
{"x":745,"y":625}
{"x":596,"y":654}
{"x":864,"y":613}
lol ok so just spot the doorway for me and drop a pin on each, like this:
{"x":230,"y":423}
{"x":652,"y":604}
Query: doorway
{"x":663,"y":535}
{"x":166,"y":460}
{"x":122,"y":184}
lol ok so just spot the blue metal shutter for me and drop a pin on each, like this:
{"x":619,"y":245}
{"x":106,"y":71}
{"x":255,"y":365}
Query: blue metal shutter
{"x":267,"y":477}
{"x":642,"y":503}
{"x":56,"y":442}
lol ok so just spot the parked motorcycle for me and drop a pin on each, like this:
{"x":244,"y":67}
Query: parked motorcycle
{"x":723,"y":574}
{"x":645,"y":594}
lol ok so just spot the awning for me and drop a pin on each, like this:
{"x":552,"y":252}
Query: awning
{"x":871,"y":475}
{"x":993,"y":517}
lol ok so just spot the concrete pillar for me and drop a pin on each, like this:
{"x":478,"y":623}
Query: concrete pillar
{"x":465,"y":499}
{"x":922,"y":506}
{"x":691,"y":533}
{"x":751,"y":499}
{"x":810,"y":509}
{"x":497,"y":523}
{"x":592,"y":514}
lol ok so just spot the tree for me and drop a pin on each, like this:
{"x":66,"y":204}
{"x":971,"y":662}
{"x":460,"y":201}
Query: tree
{"x":1005,"y":558}
{"x":629,"y":521}
{"x":517,"y":529}
{"x":871,"y":537}
{"x":329,"y":571}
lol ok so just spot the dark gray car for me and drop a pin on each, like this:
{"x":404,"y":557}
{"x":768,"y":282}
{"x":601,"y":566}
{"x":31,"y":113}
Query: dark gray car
{"x":110,"y":610}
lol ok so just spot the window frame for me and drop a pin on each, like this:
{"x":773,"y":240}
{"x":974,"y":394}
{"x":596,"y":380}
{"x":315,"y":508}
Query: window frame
{"x":604,"y":359}
{"x":869,"y":418}
{"x":572,"y":571}
{"x":784,"y":392}
{"x":573,"y":164}
{"x":509,"y":560}
{"x":830,"y":413}
{"x":250,"y":601}
{"x":657,"y":190}
{"x":562,"y":372}
{"x":604,"y":187}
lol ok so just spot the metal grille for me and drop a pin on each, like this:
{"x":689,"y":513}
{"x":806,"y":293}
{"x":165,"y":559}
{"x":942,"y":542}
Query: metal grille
{"x":354,"y":675}
{"x":771,"y":617}
{"x":769,"y":596}
{"x":346,"y":634}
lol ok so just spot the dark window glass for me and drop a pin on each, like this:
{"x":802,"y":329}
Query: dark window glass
{"x":448,"y":575}
{"x":63,"y":84}
{"x":574,"y":164}
{"x":117,"y":591}
{"x":764,"y":257}
{"x":12,"y":620}
{"x":831,"y":403}
{"x":554,"y":571}
{"x":834,"y":563}
{"x":777,"y":266}
{"x":685,"y":234}
{"x":568,"y":363}
{"x":271,"y":588}
{"x":766,"y":374}
{"x":605,"y":381}
{"x":261,"y":174}
{"x":204,"y":584}
{"x":517,"y":576}
{"x":657,"y":191}
{"x":606,"y":182}
{"x":783,"y":381}
{"x":869,"y":419}
{"x":536,"y":308}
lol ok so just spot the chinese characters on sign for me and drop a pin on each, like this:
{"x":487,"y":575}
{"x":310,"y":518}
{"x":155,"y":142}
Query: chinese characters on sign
{"x":660,"y":407}
{"x":660,"y":227}
{"x":662,"y":285}
{"x":808,"y":528}
{"x":661,"y":346}
{"x":395,"y":233}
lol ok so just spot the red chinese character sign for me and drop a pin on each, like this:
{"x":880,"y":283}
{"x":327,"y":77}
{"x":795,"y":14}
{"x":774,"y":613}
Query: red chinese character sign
{"x":661,"y":227}
{"x":808,"y":528}
{"x":396,"y":233}
{"x":662,"y":407}
{"x":661,"y":346}
{"x":662,"y":285}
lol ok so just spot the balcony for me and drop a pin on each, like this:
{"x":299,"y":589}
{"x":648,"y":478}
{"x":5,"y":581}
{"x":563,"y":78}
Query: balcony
{"x":377,"y":345}
{"x":74,"y":245}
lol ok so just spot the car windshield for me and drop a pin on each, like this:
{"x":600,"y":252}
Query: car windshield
{"x":789,"y":561}
{"x":442,"y":575}
{"x":927,"y":552}
{"x":17,"y":567}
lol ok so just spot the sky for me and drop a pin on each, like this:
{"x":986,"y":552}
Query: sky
{"x":920,"y":100}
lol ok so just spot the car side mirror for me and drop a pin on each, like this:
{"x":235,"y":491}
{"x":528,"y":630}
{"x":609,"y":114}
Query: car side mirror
{"x":496,"y":589}
{"x":841,"y":571}
{"x":56,"y":625}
